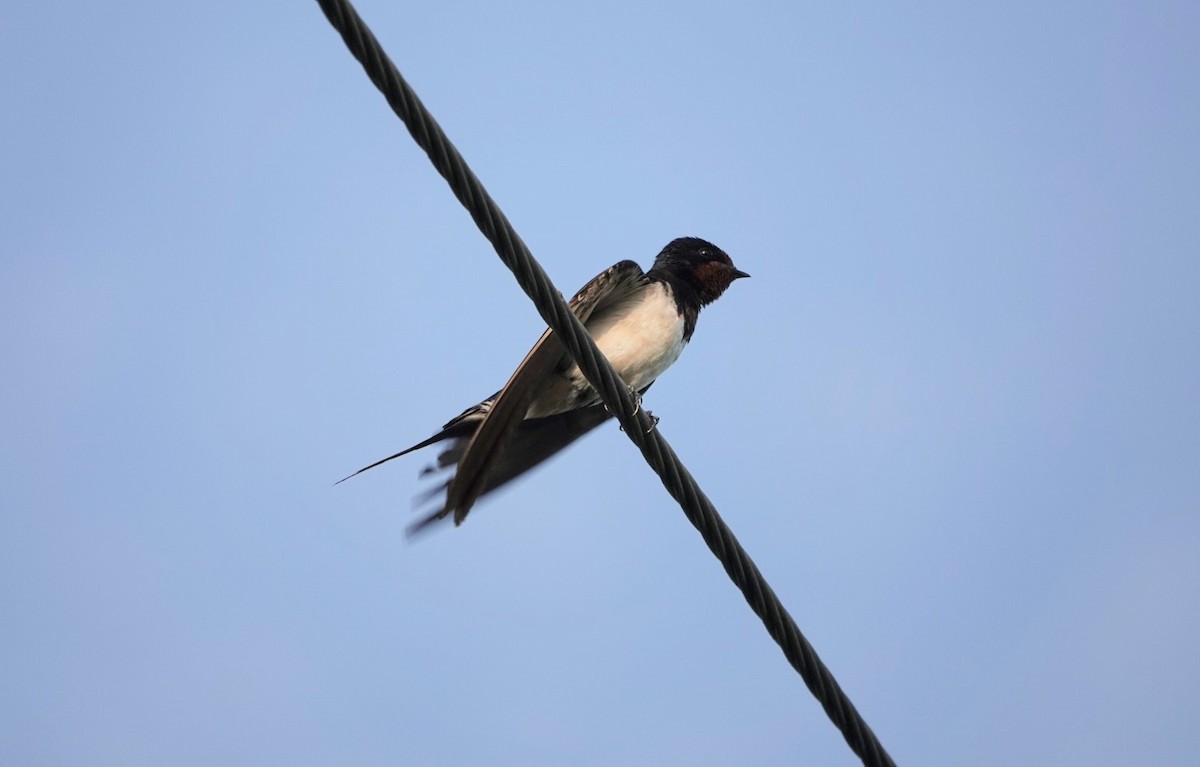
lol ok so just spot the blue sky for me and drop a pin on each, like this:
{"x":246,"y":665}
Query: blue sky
{"x":954,"y":416}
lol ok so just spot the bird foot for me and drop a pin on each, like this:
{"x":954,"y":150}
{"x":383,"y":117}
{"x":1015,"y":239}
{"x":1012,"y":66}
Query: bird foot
{"x":637,"y":408}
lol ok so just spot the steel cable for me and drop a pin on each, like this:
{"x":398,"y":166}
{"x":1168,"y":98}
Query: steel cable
{"x":635,"y":422}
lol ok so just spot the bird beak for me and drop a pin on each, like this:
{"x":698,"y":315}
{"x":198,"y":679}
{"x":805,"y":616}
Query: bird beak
{"x":738,"y":274}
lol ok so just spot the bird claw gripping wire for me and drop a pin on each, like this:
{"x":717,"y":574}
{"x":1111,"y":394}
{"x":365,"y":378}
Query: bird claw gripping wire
{"x":637,"y":408}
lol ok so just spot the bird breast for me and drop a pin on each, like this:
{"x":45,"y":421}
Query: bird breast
{"x":641,"y":337}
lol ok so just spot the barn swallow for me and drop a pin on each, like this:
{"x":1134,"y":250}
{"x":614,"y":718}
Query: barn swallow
{"x":640,"y":321}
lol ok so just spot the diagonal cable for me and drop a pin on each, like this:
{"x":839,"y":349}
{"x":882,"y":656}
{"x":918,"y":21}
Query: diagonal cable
{"x":635,"y":422}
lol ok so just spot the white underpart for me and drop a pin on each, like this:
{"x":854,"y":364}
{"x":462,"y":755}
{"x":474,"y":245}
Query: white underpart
{"x":642,"y":338}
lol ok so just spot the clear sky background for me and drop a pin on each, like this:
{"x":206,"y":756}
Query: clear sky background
{"x":954,"y":416}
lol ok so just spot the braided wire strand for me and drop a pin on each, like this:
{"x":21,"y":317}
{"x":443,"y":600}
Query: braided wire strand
{"x":635,"y":422}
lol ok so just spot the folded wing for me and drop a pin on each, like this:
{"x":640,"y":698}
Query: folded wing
{"x":482,"y":452}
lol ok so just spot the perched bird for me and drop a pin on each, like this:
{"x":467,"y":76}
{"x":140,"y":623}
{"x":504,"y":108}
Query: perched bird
{"x":640,"y":321}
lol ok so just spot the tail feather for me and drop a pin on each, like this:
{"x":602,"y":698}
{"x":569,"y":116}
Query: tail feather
{"x":455,"y":429}
{"x":529,"y":443}
{"x":532,"y":442}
